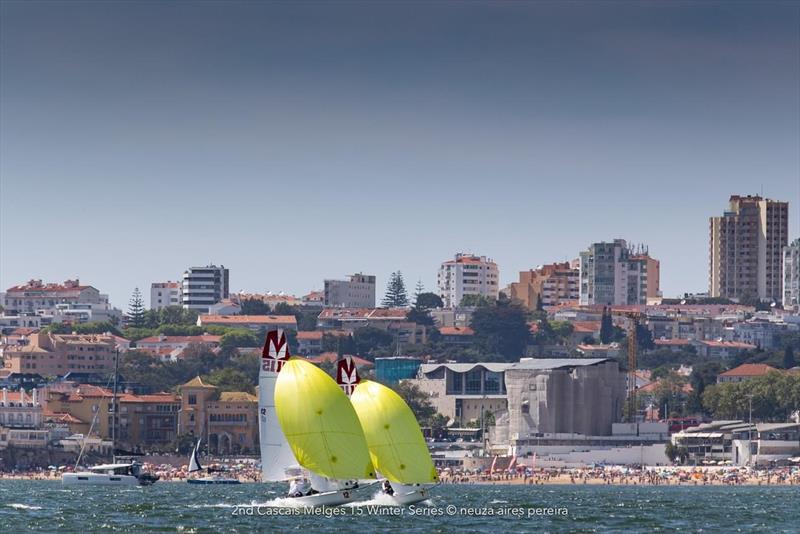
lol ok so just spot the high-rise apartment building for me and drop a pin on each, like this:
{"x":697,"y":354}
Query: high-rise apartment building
{"x":791,"y":275}
{"x":616,"y":274}
{"x":358,"y":291}
{"x":204,"y":286}
{"x":467,"y":274}
{"x":163,"y":294}
{"x":746,"y":249}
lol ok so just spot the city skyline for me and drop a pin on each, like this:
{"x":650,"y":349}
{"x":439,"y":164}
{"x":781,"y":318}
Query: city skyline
{"x":375,"y":138}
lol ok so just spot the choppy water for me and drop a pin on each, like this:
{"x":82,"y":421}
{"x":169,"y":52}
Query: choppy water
{"x":179,"y":507}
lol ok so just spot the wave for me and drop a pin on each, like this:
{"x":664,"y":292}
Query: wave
{"x":19,"y":506}
{"x":379,"y":499}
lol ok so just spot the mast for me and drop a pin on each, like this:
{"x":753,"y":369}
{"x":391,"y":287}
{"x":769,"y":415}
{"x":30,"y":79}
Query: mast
{"x":114,"y":407}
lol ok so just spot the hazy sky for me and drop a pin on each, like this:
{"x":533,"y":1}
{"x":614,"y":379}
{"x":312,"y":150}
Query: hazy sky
{"x":299,"y":141}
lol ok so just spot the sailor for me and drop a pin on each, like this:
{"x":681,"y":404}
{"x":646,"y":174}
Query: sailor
{"x":387,"y":488}
{"x":299,"y":487}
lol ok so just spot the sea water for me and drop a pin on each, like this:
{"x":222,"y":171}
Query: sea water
{"x":46,"y":506}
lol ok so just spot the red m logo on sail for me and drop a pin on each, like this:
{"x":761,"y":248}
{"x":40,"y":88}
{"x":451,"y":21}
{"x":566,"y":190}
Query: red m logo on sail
{"x":276,"y":351}
{"x":347,"y":374}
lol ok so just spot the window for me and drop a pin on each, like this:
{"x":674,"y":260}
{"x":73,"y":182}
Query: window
{"x":473,"y":382}
{"x":192,"y":399}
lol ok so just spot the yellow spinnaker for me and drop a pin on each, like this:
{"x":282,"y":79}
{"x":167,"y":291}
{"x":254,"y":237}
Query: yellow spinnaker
{"x":395,"y":441}
{"x":319,"y":423}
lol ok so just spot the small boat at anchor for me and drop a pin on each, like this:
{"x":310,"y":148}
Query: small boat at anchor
{"x":214,"y":476}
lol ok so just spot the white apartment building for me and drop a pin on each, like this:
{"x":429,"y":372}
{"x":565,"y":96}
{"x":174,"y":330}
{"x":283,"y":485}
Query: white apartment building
{"x":791,"y":276}
{"x":467,"y":274}
{"x":37,"y":298}
{"x":615,"y":274}
{"x":204,"y":286}
{"x":358,"y":291}
{"x":163,"y":294}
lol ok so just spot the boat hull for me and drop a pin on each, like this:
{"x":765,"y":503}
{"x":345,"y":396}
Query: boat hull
{"x":329,"y":498}
{"x":405,"y":495}
{"x":98,"y":479}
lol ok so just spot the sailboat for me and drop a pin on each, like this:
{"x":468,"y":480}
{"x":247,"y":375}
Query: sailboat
{"x":213,"y":476}
{"x":276,"y":455}
{"x":323,"y":431}
{"x":396,"y":445}
{"x":117,"y":473}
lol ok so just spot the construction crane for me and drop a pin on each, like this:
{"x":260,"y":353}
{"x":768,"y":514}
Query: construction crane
{"x":633,"y":346}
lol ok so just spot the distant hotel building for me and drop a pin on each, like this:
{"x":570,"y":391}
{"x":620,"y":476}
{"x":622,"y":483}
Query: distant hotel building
{"x":163,"y":294}
{"x":467,"y":274}
{"x":204,"y":286}
{"x":58,"y":354}
{"x":791,"y":275}
{"x":555,"y":283}
{"x":616,"y":274}
{"x":70,"y":300}
{"x":356,"y":292}
{"x":746,"y":249}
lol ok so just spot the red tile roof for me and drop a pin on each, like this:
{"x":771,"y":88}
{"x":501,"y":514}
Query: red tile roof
{"x":456,"y":331}
{"x":672,"y":342}
{"x":247,"y":319}
{"x":728,"y":344}
{"x":586,"y":327}
{"x":749,"y":369}
{"x":205,"y":338}
{"x":37,"y":285}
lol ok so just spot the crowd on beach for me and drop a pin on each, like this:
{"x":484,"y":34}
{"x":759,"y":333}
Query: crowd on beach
{"x":249,"y":471}
{"x":623,"y":475}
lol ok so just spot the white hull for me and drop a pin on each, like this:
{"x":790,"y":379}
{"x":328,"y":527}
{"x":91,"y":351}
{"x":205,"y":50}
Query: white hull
{"x":405,"y":495}
{"x":98,"y":479}
{"x":330,"y":498}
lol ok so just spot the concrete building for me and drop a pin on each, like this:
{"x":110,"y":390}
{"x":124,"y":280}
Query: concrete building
{"x":19,"y":409}
{"x":51,"y":354}
{"x":790,"y":294}
{"x":37,"y":298}
{"x":163,"y":294}
{"x":227,"y":421}
{"x":358,"y":291}
{"x":739,"y":442}
{"x":616,"y":274}
{"x":170,"y":348}
{"x":555,"y":283}
{"x":464,"y":391}
{"x":746,"y":371}
{"x":204,"y":286}
{"x":467,"y":274}
{"x":746,"y":249}
{"x":577,"y":396}
{"x":143,"y":421}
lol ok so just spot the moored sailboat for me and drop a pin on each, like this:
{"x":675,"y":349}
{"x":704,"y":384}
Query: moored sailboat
{"x":213,"y":476}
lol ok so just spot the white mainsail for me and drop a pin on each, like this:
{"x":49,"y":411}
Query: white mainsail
{"x":276,"y":455}
{"x":194,"y":461}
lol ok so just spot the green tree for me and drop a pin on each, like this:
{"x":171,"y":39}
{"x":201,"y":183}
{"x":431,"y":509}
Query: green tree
{"x":428,"y":301}
{"x":239,"y":338}
{"x":418,"y":290}
{"x":396,"y":296}
{"x":475,"y":300}
{"x":501,"y":329}
{"x":419,"y":316}
{"x":136,"y":311}
{"x":184,"y":443}
{"x":417,"y":400}
{"x":230,"y":379}
{"x":368,"y":340}
{"x":606,"y":327}
{"x":438,"y":424}
{"x":788,"y":357}
{"x":254,"y":307}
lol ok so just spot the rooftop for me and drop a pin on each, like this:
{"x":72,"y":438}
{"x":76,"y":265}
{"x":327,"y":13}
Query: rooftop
{"x":557,"y":363}
{"x":331,"y":357}
{"x":247,"y":319}
{"x":749,"y":369}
